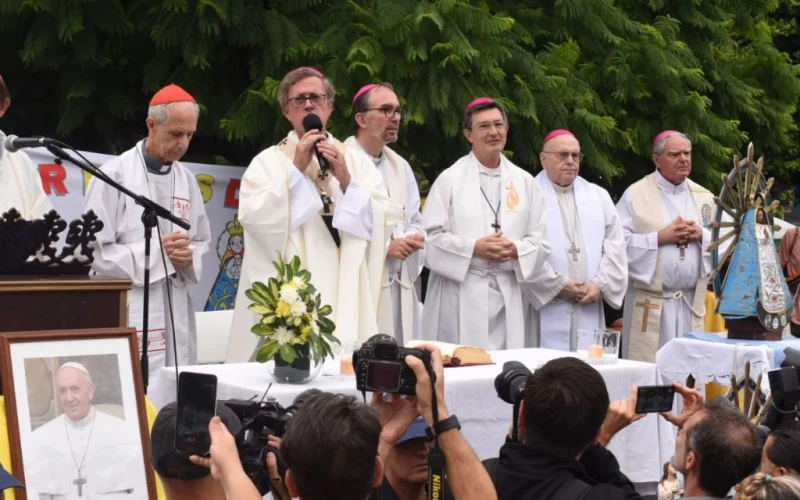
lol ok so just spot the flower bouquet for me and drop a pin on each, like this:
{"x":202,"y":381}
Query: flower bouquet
{"x":297,"y":332}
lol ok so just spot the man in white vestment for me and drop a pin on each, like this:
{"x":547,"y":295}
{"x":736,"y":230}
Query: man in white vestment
{"x":151,"y":168}
{"x":84,"y":452}
{"x":337,"y":221}
{"x":376,"y":120}
{"x":20,"y":184}
{"x":484,"y":217}
{"x":665,"y":217}
{"x":587,"y":261}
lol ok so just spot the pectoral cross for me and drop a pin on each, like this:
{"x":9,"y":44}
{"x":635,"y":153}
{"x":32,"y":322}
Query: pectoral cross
{"x":647,"y":305}
{"x":326,"y":202}
{"x":496,"y":225}
{"x":682,"y":248}
{"x":80,"y":482}
{"x":574,"y":251}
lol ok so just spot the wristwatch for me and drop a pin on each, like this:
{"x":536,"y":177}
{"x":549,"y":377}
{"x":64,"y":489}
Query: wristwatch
{"x":445,"y":425}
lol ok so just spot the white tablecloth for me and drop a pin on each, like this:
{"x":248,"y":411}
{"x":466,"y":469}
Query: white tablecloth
{"x":711,"y":361}
{"x":641,"y":449}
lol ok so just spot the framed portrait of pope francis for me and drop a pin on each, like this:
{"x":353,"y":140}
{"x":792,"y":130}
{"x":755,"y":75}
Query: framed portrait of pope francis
{"x":76,"y":416}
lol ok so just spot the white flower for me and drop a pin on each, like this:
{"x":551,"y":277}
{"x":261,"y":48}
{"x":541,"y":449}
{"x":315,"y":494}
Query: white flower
{"x":298,"y":308}
{"x":298,"y":283}
{"x":314,"y":316}
{"x":283,"y":335}
{"x":314,"y":327}
{"x":289,"y":294}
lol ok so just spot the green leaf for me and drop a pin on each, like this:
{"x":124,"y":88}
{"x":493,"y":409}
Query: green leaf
{"x":324,"y":311}
{"x":261,"y":330}
{"x":287,"y":354}
{"x":259,"y":309}
{"x":267,"y":352}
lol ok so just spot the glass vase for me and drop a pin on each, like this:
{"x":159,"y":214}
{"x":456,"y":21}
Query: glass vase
{"x":302,"y":370}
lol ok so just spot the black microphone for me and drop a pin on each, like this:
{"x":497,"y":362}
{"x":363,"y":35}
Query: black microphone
{"x":510,"y":383}
{"x":313,"y":122}
{"x":14,"y":143}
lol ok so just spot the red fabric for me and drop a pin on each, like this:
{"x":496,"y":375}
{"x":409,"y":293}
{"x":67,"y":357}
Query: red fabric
{"x":171,"y":93}
{"x":662,"y":134}
{"x":479,"y":100}
{"x":555,"y":133}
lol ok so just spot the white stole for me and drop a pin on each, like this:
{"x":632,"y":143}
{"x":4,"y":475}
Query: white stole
{"x":469,"y":220}
{"x":555,"y":318}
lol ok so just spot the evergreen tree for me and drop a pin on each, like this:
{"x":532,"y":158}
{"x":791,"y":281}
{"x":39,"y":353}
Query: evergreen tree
{"x":615,"y":72}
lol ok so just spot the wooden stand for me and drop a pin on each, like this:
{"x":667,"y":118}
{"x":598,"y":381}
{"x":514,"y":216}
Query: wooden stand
{"x":29,"y":303}
{"x":749,"y":329}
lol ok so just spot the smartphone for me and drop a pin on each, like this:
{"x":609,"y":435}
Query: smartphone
{"x":197,"y":405}
{"x":655,"y":398}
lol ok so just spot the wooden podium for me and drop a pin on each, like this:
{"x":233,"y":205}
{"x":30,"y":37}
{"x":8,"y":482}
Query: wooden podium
{"x":29,"y":303}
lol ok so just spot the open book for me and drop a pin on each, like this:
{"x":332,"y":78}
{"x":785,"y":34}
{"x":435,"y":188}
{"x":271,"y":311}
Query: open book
{"x":457,"y":355}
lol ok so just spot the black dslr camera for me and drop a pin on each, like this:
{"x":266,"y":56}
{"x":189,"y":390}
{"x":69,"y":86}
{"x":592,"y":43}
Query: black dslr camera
{"x":380,"y":366}
{"x":260,"y":419}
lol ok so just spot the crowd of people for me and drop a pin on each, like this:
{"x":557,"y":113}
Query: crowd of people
{"x":515,"y":261}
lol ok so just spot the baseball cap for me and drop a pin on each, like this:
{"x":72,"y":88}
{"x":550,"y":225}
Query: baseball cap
{"x":8,"y":481}
{"x":415,"y":431}
{"x":163,"y":458}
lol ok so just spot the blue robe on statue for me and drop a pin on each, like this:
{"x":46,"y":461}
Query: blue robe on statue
{"x":755,"y":275}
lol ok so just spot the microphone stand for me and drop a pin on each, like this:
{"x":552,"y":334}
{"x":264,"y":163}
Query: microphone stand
{"x":152,"y":211}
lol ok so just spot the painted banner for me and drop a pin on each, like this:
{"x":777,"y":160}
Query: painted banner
{"x":66,"y":185}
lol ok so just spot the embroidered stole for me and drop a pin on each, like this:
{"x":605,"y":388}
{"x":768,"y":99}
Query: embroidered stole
{"x":646,"y":207}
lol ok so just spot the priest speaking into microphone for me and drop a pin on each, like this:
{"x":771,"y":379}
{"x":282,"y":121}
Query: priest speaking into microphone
{"x":313,"y":197}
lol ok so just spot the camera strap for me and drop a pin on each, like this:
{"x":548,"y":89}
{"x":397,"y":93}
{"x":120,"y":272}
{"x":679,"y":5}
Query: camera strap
{"x":436,"y":461}
{"x":515,"y":425}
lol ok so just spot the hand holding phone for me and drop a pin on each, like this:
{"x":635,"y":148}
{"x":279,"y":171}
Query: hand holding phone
{"x":197,"y":405}
{"x":655,"y":398}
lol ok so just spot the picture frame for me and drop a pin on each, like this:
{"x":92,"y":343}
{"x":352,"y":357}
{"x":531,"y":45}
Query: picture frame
{"x":77,"y":420}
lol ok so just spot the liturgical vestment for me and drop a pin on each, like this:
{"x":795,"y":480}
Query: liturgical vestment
{"x":399,"y":311}
{"x":583,"y":214}
{"x":666,"y":294}
{"x":281,"y":210}
{"x":106,"y":449}
{"x":471,"y":300}
{"x":119,"y":251}
{"x":20,"y":185}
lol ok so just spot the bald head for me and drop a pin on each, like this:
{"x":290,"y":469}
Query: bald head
{"x":75,"y":391}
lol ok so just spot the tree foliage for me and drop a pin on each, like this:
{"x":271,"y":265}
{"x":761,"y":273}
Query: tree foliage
{"x":615,"y":72}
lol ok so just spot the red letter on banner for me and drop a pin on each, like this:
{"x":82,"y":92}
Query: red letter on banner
{"x":53,"y":177}
{"x":232,"y":193}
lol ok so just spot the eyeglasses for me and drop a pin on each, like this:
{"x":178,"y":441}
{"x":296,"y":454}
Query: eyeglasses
{"x":674,"y":153}
{"x":487,"y":126}
{"x":300,"y":101}
{"x":563,"y":155}
{"x":390,"y":112}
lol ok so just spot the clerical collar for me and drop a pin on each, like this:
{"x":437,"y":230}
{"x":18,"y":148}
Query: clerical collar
{"x":83,"y":422}
{"x":491,"y":172}
{"x":668,"y":187}
{"x":562,"y":189}
{"x":377,"y":160}
{"x":154,"y":166}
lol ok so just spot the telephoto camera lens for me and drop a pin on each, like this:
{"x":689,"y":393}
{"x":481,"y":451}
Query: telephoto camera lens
{"x":510,"y":383}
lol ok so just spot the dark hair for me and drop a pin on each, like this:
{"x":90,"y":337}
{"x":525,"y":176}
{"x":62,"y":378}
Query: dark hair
{"x":666,"y":472}
{"x":330,"y":446}
{"x":726,"y":446}
{"x":466,"y":123}
{"x":566,"y":402}
{"x":163,"y":458}
{"x":4,"y":94}
{"x":784,"y":447}
{"x":361,"y":104}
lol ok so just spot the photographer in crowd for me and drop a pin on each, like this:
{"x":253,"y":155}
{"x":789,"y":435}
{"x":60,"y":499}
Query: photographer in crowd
{"x":181,"y":477}
{"x":565,"y":420}
{"x":781,"y":454}
{"x":336,"y":447}
{"x":716,"y":447}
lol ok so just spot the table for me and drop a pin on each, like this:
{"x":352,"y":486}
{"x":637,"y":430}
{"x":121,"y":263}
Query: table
{"x":641,"y":449}
{"x":711,"y":361}
{"x":776,"y":346}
